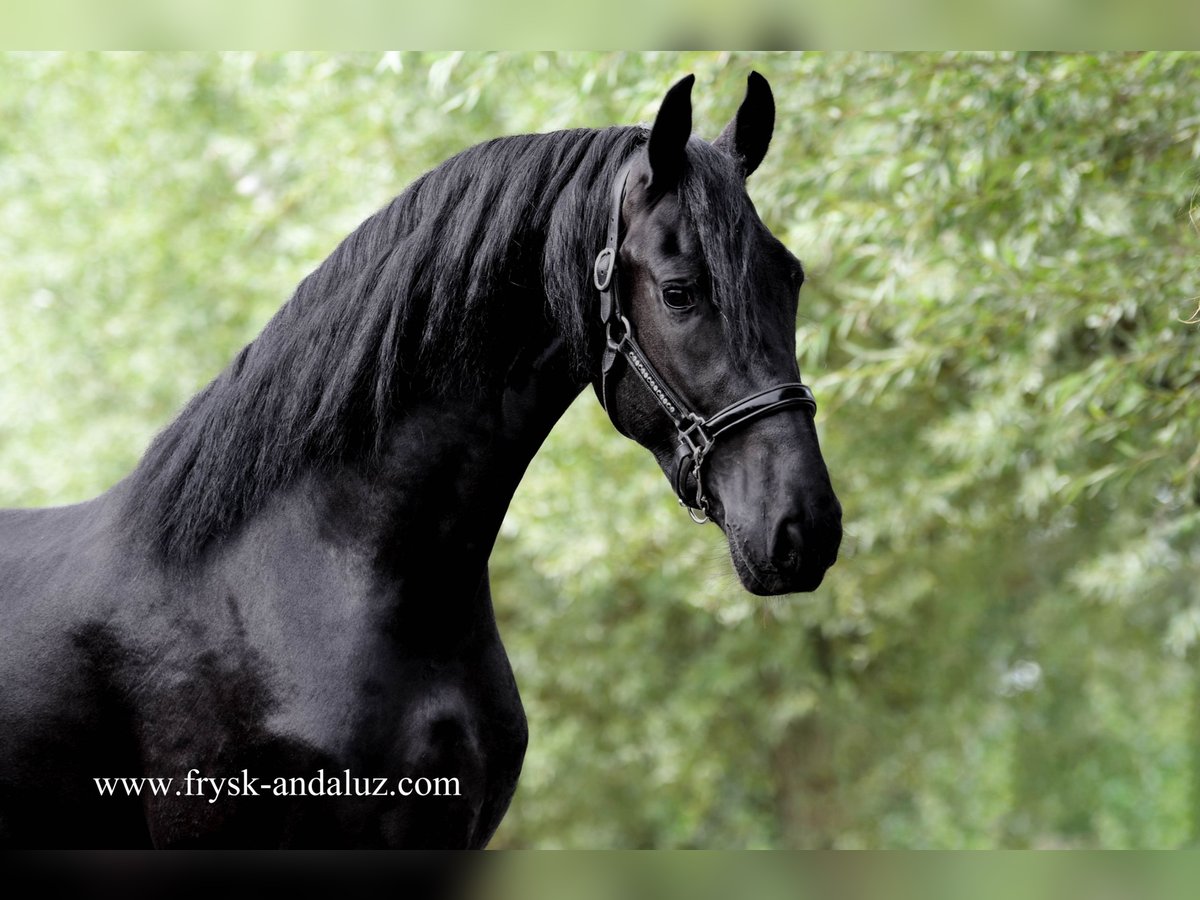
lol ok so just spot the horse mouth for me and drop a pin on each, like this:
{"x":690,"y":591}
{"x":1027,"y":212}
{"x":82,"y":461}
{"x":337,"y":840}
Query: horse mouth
{"x":765,"y":580}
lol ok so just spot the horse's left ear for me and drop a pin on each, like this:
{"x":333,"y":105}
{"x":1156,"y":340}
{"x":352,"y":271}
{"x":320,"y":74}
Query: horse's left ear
{"x":748,"y":133}
{"x":669,"y":136}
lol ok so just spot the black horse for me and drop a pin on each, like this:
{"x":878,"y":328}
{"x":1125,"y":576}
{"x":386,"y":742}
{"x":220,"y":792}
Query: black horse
{"x":291,"y":588}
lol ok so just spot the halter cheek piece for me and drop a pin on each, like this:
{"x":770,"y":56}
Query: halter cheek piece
{"x":695,"y":434}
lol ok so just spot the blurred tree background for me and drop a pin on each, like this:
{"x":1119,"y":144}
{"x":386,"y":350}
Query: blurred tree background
{"x":1002,"y":268}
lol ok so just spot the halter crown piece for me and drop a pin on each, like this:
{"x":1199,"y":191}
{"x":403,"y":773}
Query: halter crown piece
{"x":695,"y":434}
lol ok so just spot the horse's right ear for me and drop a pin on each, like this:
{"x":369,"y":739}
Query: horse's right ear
{"x":669,"y":136}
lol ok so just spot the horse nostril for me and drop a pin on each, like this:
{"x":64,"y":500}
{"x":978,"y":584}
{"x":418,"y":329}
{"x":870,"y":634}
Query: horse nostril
{"x":788,"y":544}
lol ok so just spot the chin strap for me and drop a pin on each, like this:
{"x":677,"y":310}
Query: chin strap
{"x":694,"y":433}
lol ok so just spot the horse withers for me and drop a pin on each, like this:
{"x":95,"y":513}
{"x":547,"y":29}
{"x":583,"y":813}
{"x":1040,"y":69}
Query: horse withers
{"x":278,"y":629}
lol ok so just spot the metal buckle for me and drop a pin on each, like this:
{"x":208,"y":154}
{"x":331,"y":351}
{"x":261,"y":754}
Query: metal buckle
{"x":603,"y":278}
{"x":700,"y":447}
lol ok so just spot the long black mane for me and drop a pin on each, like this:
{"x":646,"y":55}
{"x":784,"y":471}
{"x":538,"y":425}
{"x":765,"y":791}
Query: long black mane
{"x":431,"y":295}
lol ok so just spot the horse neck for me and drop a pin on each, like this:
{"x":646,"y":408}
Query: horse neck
{"x":429,"y":505}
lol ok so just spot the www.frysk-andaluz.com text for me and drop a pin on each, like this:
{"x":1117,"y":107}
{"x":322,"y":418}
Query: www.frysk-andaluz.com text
{"x":246,"y":785}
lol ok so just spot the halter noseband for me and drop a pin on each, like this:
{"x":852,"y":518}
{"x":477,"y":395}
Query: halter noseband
{"x":696,"y":434}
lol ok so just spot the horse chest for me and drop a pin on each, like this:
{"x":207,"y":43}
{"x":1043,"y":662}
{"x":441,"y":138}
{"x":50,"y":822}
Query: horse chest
{"x":358,"y":738}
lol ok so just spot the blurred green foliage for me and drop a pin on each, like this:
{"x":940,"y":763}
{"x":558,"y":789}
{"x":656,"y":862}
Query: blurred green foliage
{"x":1001,"y":266}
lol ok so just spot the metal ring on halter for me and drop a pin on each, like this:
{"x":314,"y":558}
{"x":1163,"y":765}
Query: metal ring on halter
{"x":626,"y":329}
{"x":699,"y":453}
{"x":700,"y":499}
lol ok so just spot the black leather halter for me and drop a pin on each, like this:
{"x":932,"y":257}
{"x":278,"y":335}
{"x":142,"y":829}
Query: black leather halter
{"x":696,"y":434}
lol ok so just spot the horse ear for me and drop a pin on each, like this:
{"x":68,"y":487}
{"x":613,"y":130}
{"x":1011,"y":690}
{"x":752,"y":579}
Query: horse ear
{"x":669,"y":136}
{"x":748,"y":133}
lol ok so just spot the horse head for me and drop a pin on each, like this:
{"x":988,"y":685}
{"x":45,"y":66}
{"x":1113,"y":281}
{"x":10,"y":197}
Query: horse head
{"x":698,"y":302}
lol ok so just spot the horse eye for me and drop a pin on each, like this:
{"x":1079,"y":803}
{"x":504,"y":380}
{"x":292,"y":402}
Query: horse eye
{"x":678,"y":298}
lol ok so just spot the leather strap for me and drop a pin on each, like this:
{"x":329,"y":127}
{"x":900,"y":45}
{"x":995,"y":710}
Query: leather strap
{"x":770,"y":400}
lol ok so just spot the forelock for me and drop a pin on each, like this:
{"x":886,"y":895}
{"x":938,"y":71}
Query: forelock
{"x":714,"y":199}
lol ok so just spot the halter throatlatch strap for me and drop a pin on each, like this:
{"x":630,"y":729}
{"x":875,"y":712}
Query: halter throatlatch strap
{"x":694,"y":433}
